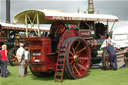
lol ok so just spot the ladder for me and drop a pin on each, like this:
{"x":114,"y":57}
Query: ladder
{"x":60,"y":65}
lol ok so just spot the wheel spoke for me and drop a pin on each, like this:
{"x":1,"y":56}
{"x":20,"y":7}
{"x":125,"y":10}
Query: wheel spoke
{"x":71,"y":53}
{"x":78,"y":58}
{"x":81,"y":50}
{"x":71,"y":63}
{"x":71,"y":58}
{"x":81,"y":66}
{"x":72,"y":69}
{"x":73,"y":50}
{"x":77,"y":45}
{"x":12,"y":60}
{"x":83,"y":58}
{"x":13,"y":55}
{"x":77,"y":71}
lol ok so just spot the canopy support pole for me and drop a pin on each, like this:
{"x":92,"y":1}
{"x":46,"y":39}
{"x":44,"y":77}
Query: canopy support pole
{"x":107,"y":27}
{"x":38,"y":23}
{"x":112,"y":26}
{"x":26,"y":25}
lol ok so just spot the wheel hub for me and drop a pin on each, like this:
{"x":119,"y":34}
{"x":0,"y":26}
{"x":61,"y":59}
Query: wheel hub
{"x":76,"y":57}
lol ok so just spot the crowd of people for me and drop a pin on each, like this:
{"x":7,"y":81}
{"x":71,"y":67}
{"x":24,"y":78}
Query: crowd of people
{"x":22,"y":56}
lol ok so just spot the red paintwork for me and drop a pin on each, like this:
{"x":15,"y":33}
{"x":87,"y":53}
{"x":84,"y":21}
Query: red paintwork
{"x":86,"y":34}
{"x":79,"y":43}
{"x":43,"y":46}
{"x":79,"y":66}
{"x":106,"y":61}
{"x":66,"y":34}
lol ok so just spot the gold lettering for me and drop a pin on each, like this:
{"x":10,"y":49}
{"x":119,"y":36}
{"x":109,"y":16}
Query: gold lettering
{"x":58,"y":17}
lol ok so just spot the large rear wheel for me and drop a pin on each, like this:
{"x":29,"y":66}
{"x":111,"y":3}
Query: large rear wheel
{"x":77,"y":58}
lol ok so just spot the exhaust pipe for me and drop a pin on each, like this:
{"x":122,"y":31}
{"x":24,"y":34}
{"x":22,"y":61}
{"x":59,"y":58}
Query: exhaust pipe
{"x":90,"y":7}
{"x":7,"y":11}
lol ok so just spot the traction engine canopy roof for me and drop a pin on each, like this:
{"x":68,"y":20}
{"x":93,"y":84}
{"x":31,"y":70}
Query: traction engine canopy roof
{"x":48,"y":16}
{"x":21,"y":27}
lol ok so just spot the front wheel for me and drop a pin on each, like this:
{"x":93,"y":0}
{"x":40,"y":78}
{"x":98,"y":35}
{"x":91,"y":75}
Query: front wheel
{"x":12,"y":57}
{"x":106,"y":60}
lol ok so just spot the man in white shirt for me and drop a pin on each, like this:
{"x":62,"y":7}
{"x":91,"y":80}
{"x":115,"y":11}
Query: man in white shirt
{"x":20,"y":56}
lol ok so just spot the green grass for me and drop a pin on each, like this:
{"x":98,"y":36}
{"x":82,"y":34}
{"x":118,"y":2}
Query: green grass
{"x":94,"y":77}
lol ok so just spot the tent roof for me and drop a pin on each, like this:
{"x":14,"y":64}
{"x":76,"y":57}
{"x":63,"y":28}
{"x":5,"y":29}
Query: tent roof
{"x":121,"y":30}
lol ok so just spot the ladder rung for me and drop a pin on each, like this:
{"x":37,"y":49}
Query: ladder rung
{"x":59,"y":64}
{"x":63,"y":49}
{"x":59,"y":74}
{"x":60,"y":59}
{"x":59,"y":69}
{"x":58,"y":79}
{"x":62,"y":55}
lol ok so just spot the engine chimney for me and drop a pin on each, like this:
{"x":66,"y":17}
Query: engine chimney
{"x":90,"y":7}
{"x":7,"y":11}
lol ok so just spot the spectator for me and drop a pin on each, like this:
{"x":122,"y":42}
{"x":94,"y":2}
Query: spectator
{"x":26,"y":55}
{"x":126,"y":58}
{"x":20,"y":57}
{"x":112,"y":54}
{"x":0,"y":62}
{"x":4,"y":61}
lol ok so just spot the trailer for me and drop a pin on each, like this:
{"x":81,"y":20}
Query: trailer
{"x":70,"y":46}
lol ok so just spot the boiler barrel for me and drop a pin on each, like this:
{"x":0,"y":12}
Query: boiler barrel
{"x":9,"y":45}
{"x":95,"y":43}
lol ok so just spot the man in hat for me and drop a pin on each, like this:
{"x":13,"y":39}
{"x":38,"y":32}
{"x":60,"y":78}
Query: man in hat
{"x":112,"y":54}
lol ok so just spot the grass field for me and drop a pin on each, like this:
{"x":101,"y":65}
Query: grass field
{"x":94,"y":77}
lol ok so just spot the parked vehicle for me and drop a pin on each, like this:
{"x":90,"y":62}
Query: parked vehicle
{"x":71,"y":44}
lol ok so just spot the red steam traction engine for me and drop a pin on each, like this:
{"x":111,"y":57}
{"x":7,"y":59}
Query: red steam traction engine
{"x":70,"y":46}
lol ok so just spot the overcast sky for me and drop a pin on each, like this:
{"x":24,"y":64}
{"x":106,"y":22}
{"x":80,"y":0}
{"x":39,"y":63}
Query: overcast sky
{"x":114,"y":7}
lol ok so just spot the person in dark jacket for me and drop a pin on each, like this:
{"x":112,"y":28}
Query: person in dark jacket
{"x":112,"y":54}
{"x":126,"y":58}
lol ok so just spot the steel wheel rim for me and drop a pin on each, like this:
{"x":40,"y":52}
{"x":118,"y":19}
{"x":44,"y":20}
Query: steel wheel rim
{"x":106,"y":60}
{"x":13,"y":58}
{"x":79,"y":58}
